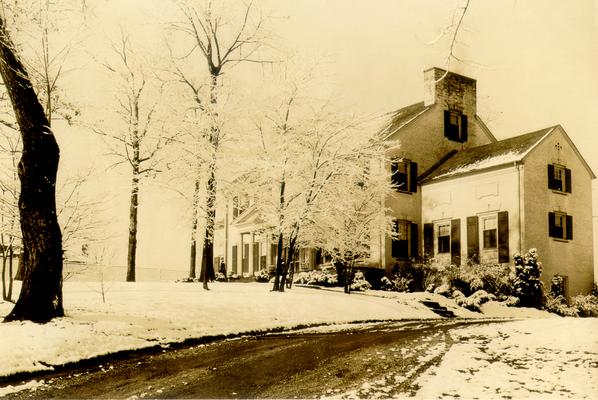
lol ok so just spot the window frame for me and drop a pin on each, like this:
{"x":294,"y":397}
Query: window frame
{"x":485,"y":219}
{"x":443,"y":245}
{"x":559,"y":178}
{"x":560,"y":226}
{"x":395,"y":251}
{"x":455,"y":128}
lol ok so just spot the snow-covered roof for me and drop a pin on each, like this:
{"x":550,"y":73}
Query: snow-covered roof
{"x":402,"y":117}
{"x":503,"y":152}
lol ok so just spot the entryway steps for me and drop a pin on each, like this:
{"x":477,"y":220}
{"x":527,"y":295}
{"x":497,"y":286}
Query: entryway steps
{"x":438,"y":309}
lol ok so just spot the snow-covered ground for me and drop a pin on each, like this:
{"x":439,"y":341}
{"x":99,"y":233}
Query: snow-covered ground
{"x":134,"y":315}
{"x":536,"y":359}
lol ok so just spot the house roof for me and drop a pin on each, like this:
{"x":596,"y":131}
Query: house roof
{"x":507,"y":151}
{"x":402,"y":117}
{"x":406,"y":115}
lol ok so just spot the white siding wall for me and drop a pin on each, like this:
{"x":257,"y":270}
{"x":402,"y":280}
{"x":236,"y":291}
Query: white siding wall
{"x":477,"y":194}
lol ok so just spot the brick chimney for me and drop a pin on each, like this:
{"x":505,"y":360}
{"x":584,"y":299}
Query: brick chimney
{"x":452,"y":91}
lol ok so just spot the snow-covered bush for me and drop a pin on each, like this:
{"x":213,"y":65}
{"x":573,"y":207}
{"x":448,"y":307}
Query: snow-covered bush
{"x":586,"y":306}
{"x":417,"y":276}
{"x":360,"y":284}
{"x":558,"y":305}
{"x":398,"y":284}
{"x":234,"y":277}
{"x":527,"y":285}
{"x":511,"y":301}
{"x":444,"y":290}
{"x":220,"y":277}
{"x":316,"y":277}
{"x":261,"y":276}
{"x":474,"y":301}
{"x":496,"y":279}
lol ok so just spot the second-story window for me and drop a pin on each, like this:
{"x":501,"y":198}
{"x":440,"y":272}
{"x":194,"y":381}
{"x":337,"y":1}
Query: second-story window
{"x":559,"y":178}
{"x":404,"y":176}
{"x":560,"y":225}
{"x":455,"y":126}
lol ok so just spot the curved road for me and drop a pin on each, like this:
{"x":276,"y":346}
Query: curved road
{"x":364,"y":361}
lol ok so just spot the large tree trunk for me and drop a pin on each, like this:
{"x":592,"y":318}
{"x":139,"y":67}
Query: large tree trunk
{"x":207,"y":265}
{"x":279,"y":263}
{"x":289,"y":261}
{"x":10,"y":278}
{"x":194,"y":224}
{"x":132,"y":253}
{"x":40,"y":299}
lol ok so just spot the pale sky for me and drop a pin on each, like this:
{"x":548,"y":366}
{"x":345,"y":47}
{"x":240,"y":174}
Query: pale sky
{"x":534,"y":61}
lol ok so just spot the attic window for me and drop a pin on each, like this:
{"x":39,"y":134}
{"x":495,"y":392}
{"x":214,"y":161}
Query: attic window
{"x":559,"y":178}
{"x":455,"y":126}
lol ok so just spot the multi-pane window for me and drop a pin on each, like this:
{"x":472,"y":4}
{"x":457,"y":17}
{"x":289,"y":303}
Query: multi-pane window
{"x":560,"y":225}
{"x":400,"y":175}
{"x":559,"y":178}
{"x":455,"y":126}
{"x":404,"y":176}
{"x":400,"y":243}
{"x":490,"y":232}
{"x":444,"y":238}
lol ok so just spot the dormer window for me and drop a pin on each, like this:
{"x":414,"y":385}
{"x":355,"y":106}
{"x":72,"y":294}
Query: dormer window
{"x":559,"y":178}
{"x":455,"y":126}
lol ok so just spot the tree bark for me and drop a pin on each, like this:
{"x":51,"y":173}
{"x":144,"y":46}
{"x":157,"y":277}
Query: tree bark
{"x":194,"y":223}
{"x":40,"y":299}
{"x":207,"y":265}
{"x":132,"y":251}
{"x":279,"y":263}
{"x":289,"y":261}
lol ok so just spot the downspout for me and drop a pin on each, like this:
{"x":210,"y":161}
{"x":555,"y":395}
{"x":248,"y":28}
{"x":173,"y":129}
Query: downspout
{"x":226,"y":238}
{"x":519,"y":183}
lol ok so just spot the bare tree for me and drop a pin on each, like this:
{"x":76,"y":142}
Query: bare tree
{"x":40,"y":299}
{"x":138,"y":140}
{"x":220,"y":44}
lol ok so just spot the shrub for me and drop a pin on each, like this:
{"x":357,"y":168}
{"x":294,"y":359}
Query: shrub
{"x":496,"y":279}
{"x":474,"y":301}
{"x":398,"y":284}
{"x":586,"y":306}
{"x":527,"y":286}
{"x":220,"y":277}
{"x":558,"y":305}
{"x":444,"y":290}
{"x":417,"y":276}
{"x":360,"y":284}
{"x":316,"y":277}
{"x":262,"y":276}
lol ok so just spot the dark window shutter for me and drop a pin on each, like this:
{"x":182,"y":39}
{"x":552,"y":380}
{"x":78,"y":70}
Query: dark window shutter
{"x":256,"y":256}
{"x":567,"y":180}
{"x":394,"y":243}
{"x":569,"y":227}
{"x":551,"y":226}
{"x":551,"y":184}
{"x":456,"y":242}
{"x":413,"y":177}
{"x":447,"y":124}
{"x":473,"y":238}
{"x":234,"y":269}
{"x":463,"y":128}
{"x":428,"y":240}
{"x":503,"y":237}
{"x":414,"y":242}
